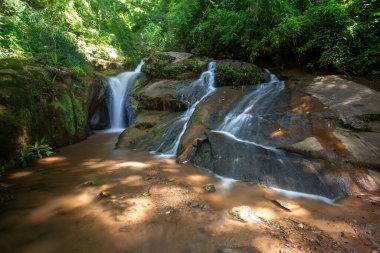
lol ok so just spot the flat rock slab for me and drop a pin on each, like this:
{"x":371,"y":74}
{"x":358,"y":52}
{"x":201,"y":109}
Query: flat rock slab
{"x":349,"y":100}
{"x":309,"y":147}
{"x":364,"y":147}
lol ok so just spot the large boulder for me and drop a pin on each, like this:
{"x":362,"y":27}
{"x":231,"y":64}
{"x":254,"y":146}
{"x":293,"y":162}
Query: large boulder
{"x":174,"y":66}
{"x":98,"y":115}
{"x":164,"y":95}
{"x":223,"y":155}
{"x":237,"y":73}
{"x":151,"y":131}
{"x":356,"y":110}
{"x":352,"y":102}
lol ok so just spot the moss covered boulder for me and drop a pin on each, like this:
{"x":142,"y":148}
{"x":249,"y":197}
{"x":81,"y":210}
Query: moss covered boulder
{"x":148,"y":131}
{"x":237,"y":73}
{"x":38,"y":102}
{"x":174,"y":65}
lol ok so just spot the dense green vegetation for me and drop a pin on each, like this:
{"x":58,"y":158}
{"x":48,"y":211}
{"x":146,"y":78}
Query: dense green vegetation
{"x":337,"y":35}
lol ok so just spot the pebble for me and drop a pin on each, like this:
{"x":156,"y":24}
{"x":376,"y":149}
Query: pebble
{"x":209,"y":188}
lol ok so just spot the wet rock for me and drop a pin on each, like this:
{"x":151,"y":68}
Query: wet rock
{"x":209,"y":188}
{"x":199,"y":205}
{"x":286,"y":205}
{"x":98,"y":115}
{"x":164,"y":95}
{"x":309,"y":147}
{"x":237,"y":250}
{"x":234,"y":159}
{"x":87,"y":184}
{"x":151,"y":138}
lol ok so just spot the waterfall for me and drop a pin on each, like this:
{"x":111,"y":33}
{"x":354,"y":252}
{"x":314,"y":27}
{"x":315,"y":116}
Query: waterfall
{"x":246,"y":114}
{"x":120,"y":87}
{"x":207,"y":82}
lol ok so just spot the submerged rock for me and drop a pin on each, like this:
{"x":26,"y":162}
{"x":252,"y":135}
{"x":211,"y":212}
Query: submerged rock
{"x":209,"y":188}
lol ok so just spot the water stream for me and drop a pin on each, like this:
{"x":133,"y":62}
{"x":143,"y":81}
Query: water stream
{"x":121,"y":111}
{"x":207,"y":82}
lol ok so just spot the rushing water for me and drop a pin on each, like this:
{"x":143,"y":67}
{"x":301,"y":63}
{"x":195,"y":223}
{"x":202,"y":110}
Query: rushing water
{"x":207,"y":82}
{"x":246,"y":115}
{"x":120,"y":87}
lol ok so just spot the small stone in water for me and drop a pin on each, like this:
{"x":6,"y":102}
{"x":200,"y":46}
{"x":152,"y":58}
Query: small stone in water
{"x":87,"y":184}
{"x":104,"y":194}
{"x":209,"y":188}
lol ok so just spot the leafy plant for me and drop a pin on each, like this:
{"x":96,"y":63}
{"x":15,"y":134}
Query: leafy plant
{"x":33,"y":152}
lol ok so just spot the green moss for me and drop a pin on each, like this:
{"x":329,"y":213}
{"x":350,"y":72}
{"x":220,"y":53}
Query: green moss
{"x":161,"y":66}
{"x":370,"y":117}
{"x":229,"y":75}
{"x":80,"y":115}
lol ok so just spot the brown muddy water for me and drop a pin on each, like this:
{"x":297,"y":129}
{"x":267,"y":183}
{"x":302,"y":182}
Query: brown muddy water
{"x":161,"y":206}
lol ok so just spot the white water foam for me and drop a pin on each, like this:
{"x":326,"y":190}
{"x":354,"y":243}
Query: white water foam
{"x":207,"y":79}
{"x":294,"y":195}
{"x":120,"y":87}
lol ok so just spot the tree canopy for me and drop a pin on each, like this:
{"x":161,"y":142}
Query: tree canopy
{"x":334,"y":35}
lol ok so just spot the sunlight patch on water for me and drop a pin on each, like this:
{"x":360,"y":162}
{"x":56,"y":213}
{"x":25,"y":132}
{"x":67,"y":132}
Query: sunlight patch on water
{"x":21,"y":174}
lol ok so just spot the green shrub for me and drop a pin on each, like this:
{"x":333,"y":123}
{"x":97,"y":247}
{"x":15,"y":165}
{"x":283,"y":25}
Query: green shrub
{"x":229,"y":75}
{"x":33,"y":152}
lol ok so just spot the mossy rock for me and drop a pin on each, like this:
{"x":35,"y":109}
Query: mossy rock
{"x":39,"y":102}
{"x":237,"y":73}
{"x":165,"y":66}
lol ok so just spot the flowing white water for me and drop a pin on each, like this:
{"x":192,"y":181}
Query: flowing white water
{"x":239,"y":120}
{"x":207,"y":80}
{"x":295,"y":195}
{"x":120,"y":86}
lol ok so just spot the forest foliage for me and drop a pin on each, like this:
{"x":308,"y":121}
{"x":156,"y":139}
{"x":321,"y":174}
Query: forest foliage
{"x":333,"y":35}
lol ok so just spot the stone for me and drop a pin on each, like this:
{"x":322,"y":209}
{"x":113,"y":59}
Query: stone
{"x":286,"y":205}
{"x":363,"y":146}
{"x":309,"y":147}
{"x":209,"y":188}
{"x":347,"y":99}
{"x":87,"y":184}
{"x":198,"y":204}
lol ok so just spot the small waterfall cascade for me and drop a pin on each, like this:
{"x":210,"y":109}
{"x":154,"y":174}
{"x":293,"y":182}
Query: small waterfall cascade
{"x":120,"y":87}
{"x":207,"y":82}
{"x":246,"y":114}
